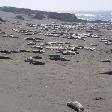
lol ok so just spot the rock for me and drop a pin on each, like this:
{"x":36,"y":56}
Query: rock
{"x":76,"y":106}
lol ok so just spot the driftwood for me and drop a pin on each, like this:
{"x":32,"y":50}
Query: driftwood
{"x":32,"y":60}
{"x":4,"y":57}
{"x":23,"y":50}
{"x":31,"y":43}
{"x":29,"y":38}
{"x":36,"y":57}
{"x":28,"y":59}
{"x":57,"y":57}
{"x":107,"y":60}
{"x":38,"y":51}
{"x":15,"y":51}
{"x":37,"y":62}
{"x":39,"y":39}
{"x":5,"y":51}
{"x":108,"y":72}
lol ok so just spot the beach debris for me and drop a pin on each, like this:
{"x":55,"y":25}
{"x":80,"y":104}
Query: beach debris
{"x":94,"y":45}
{"x":57,"y":57}
{"x":89,"y":48}
{"x":37,"y":57}
{"x":31,"y":43}
{"x":76,"y":106}
{"x":107,"y":60}
{"x":68,"y":52}
{"x":38,"y":51}
{"x":95,"y":36}
{"x":10,"y":35}
{"x":36,"y":62}
{"x":23,"y":51}
{"x":4,"y":57}
{"x":108,"y":43}
{"x":5,"y":51}
{"x":37,"y":47}
{"x":80,"y":47}
{"x":29,"y":38}
{"x":39,"y":38}
{"x":99,"y":98}
{"x":15,"y":51}
{"x":28,"y":59}
{"x":108,"y":72}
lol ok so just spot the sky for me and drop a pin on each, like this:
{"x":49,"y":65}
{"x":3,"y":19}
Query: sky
{"x":60,"y":5}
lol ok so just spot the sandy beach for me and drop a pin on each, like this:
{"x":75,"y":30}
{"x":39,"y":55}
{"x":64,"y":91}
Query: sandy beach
{"x":26,"y":87}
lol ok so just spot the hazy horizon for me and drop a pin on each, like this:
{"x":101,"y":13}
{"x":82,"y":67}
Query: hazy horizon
{"x":60,"y":6}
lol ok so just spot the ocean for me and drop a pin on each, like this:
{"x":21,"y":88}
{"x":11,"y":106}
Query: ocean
{"x":98,"y":15}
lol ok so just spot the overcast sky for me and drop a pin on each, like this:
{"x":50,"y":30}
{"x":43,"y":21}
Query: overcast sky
{"x":60,"y":5}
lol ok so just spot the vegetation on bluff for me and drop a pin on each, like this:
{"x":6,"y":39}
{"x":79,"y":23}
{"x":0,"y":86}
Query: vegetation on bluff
{"x":35,"y":14}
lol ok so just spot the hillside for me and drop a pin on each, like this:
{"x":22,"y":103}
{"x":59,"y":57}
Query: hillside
{"x":36,"y":14}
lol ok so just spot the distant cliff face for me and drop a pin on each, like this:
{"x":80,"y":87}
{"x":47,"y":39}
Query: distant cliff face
{"x":41,"y":14}
{"x":62,"y":16}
